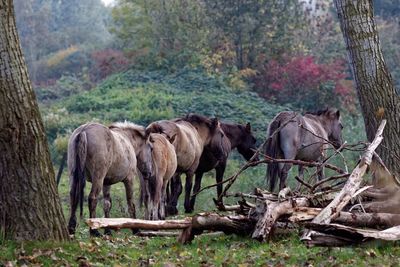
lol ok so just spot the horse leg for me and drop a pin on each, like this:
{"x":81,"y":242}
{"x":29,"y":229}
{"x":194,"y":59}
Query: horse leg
{"x":176,"y":190}
{"x":188,"y":190}
{"x":107,"y":203}
{"x":72,"y":216}
{"x":220,"y":170}
{"x":94,"y":193}
{"x":128,"y":182}
{"x":196,"y":188}
{"x":301,"y":176}
{"x":284,"y":170}
{"x":289,"y":152}
{"x":157,"y":199}
{"x":163,"y":201}
{"x":320,"y":172}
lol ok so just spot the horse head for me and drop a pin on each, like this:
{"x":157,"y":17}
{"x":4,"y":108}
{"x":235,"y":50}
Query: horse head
{"x":335,"y":126}
{"x":166,"y":128}
{"x":219,"y":143}
{"x":143,"y":150}
{"x":247,"y":145}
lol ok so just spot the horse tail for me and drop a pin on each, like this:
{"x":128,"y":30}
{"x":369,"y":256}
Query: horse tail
{"x":77,"y":159}
{"x":272,"y":149}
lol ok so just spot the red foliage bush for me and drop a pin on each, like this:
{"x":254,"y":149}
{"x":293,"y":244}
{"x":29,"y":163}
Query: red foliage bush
{"x":107,"y":62}
{"x":306,"y":84}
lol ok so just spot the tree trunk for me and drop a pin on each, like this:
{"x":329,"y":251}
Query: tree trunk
{"x":29,"y":205}
{"x":376,"y":92}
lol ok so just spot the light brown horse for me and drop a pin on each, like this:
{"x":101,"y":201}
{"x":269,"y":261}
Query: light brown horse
{"x":106,"y":155}
{"x":191,"y":134}
{"x":293,"y":136}
{"x":154,"y":189}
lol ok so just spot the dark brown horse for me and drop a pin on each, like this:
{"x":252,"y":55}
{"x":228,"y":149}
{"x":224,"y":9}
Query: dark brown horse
{"x":105,"y":156}
{"x":237,"y":136}
{"x":191,"y":135}
{"x":300,"y":137}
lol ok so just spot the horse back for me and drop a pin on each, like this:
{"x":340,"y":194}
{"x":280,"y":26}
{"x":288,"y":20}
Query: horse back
{"x":313,"y":138}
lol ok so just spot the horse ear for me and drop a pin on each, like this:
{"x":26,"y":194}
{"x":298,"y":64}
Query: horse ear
{"x":214,"y":123}
{"x":338,"y":113}
{"x":248,"y":127}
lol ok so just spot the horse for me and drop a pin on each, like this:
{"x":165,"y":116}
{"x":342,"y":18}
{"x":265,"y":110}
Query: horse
{"x":293,"y":136}
{"x":154,"y":189}
{"x":238,"y":137}
{"x":191,"y":134}
{"x":105,"y":156}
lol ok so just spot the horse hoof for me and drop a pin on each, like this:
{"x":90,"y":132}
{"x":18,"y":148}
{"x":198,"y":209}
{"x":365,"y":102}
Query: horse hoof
{"x":135,"y":231}
{"x":95,"y":233}
{"x":107,"y":232}
{"x":171,"y":211}
{"x":71,"y":231}
{"x":190,"y":210}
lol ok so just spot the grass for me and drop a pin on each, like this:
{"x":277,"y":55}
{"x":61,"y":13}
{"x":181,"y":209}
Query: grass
{"x":124,"y":249}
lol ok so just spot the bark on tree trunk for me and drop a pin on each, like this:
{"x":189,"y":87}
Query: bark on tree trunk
{"x":374,"y":83}
{"x":29,"y":204}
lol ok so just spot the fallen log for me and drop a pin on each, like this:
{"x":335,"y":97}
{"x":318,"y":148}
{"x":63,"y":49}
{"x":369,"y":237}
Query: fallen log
{"x":357,"y":219}
{"x":272,"y":212}
{"x":351,"y":235}
{"x":240,"y":225}
{"x":119,"y":223}
{"x":353,"y":183}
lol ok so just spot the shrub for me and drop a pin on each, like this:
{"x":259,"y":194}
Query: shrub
{"x":107,"y":62}
{"x":304,"y":83}
{"x":71,"y":61}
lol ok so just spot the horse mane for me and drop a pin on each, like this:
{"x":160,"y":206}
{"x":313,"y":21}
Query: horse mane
{"x":327,"y":112}
{"x":126,"y":125}
{"x":196,"y":118}
{"x":316,"y":112}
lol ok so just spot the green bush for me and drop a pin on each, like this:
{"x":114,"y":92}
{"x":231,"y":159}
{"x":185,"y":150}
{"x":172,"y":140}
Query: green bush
{"x":143,"y":97}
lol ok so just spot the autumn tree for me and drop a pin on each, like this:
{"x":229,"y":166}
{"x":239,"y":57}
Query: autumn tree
{"x":255,"y":27}
{"x":376,"y":92}
{"x":29,"y":205}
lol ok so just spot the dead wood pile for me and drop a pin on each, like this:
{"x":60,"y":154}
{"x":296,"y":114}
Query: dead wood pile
{"x":331,"y":212}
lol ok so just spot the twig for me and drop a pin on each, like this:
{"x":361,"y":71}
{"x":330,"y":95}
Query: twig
{"x":344,"y":175}
{"x":303,"y":182}
{"x":268,"y":159}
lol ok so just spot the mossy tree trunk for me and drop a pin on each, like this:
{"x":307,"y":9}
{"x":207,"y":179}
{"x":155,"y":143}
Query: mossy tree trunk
{"x":29,"y":204}
{"x":375,"y":88}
